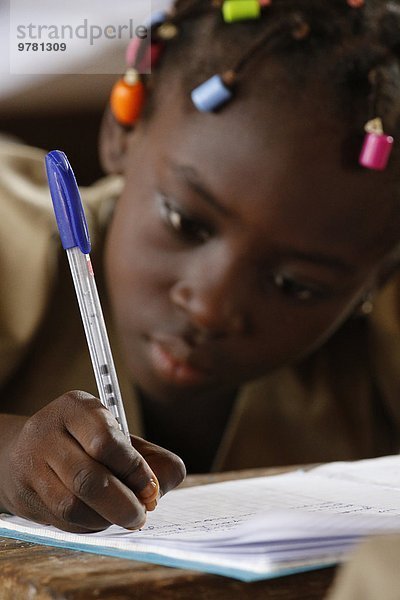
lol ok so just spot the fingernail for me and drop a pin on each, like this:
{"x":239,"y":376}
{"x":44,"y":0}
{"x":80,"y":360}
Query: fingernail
{"x":150,"y":493}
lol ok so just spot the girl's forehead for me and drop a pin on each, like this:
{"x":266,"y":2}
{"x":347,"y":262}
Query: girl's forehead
{"x":262,"y":120}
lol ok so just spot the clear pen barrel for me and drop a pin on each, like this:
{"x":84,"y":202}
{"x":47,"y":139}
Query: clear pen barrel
{"x":96,"y":334}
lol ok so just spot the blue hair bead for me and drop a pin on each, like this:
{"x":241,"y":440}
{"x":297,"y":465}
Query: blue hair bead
{"x":157,"y":18}
{"x":211,"y":94}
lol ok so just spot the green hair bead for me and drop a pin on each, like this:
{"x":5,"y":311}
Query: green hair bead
{"x":241,"y":10}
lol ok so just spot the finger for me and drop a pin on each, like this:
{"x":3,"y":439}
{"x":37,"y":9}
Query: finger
{"x":168,"y":467}
{"x":96,"y":486}
{"x":101,"y":439}
{"x":47,"y":501}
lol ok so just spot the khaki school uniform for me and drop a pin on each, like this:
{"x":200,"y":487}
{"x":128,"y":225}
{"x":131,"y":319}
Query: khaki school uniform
{"x":372,"y":573}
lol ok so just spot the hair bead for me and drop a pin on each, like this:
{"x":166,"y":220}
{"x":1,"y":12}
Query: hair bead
{"x":377,"y":147}
{"x":167,"y":31}
{"x":132,"y":51}
{"x":356,"y":3}
{"x":127,"y":98}
{"x":151,"y":55}
{"x":157,"y":18}
{"x":240,"y":10}
{"x":211,"y":95}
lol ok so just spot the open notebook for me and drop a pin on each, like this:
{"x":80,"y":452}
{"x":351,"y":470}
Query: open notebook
{"x":253,"y":528}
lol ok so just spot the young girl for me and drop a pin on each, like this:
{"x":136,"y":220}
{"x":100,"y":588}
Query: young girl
{"x":256,"y":225}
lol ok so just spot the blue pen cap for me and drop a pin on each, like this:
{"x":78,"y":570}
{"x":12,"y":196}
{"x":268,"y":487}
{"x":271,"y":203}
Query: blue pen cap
{"x":67,"y":202}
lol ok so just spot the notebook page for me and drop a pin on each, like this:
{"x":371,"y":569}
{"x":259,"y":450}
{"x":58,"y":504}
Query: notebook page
{"x":249,"y":529}
{"x":212,"y":511}
{"x":384,"y":471}
{"x":332,"y":489}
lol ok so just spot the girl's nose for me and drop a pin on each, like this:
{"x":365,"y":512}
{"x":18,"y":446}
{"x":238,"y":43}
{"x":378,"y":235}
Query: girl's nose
{"x":213,"y":307}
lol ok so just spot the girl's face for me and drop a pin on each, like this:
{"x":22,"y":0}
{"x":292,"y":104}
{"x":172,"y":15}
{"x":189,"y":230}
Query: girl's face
{"x":240,"y":243}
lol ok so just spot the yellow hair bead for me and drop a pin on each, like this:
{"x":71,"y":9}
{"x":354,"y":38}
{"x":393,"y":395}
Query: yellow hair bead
{"x":127,"y":98}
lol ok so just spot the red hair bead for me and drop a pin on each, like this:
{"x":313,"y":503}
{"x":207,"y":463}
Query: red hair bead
{"x":356,"y":3}
{"x":127,"y":98}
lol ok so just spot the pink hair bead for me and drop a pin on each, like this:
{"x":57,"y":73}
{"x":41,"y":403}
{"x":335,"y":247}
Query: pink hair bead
{"x":376,"y":150}
{"x":131,"y":51}
{"x":150,"y":58}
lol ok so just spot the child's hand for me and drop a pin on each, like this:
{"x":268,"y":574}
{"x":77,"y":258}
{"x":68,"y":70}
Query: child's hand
{"x":70,"y":466}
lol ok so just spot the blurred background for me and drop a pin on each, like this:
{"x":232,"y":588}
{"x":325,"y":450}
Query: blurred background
{"x":64,"y":111}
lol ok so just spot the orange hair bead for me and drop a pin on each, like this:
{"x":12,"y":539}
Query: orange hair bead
{"x":127,"y":98}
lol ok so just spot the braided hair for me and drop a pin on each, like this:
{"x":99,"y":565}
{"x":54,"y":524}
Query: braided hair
{"x":354,"y":51}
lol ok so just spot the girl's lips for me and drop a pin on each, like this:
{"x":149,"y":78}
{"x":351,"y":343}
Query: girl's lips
{"x":171,"y":364}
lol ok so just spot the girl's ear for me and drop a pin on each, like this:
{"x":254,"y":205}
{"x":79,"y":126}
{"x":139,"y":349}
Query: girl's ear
{"x":113,"y":144}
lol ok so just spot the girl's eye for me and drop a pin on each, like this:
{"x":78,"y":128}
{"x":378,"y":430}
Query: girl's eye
{"x":300,"y":291}
{"x":188,"y":228}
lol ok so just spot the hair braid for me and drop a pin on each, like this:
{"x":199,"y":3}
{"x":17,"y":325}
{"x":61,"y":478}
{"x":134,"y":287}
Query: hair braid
{"x":356,"y":50}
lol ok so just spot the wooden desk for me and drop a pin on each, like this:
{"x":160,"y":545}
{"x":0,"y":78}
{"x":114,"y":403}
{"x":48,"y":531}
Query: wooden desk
{"x":29,"y":571}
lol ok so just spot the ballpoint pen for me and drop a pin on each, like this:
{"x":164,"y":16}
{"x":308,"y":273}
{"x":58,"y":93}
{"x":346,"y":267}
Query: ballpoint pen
{"x":75,"y":239}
